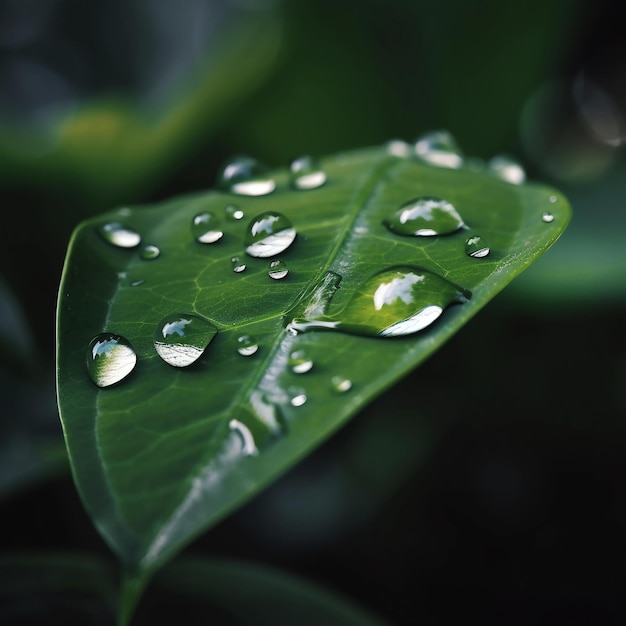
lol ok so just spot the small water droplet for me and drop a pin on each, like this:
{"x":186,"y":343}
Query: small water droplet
{"x":306,"y":173}
{"x":552,"y":199}
{"x":476,"y":247}
{"x":439,"y":148}
{"x":110,"y":358}
{"x":119,"y":235}
{"x":300,"y":362}
{"x":245,"y":176}
{"x":181,"y":339}
{"x":269,"y":234}
{"x":278,"y":270}
{"x":238,"y":266}
{"x":341,"y":384}
{"x":247,"y":345}
{"x":297,"y":396}
{"x":248,"y":447}
{"x":399,"y":148}
{"x":150,"y":252}
{"x":425,"y":217}
{"x":136,"y":283}
{"x":204,"y":228}
{"x":506,"y":168}
{"x":547,"y":217}
{"x":233,"y":212}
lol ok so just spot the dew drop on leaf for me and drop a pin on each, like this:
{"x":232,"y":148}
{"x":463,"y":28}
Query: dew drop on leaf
{"x":305,"y":173}
{"x":269,"y":234}
{"x":204,"y":228}
{"x":399,"y":148}
{"x":341,"y":384}
{"x":245,"y":176}
{"x":297,"y":396}
{"x":248,"y":447}
{"x":150,"y":252}
{"x":238,"y":266}
{"x":181,"y":338}
{"x":247,"y":345}
{"x":507,"y":169}
{"x":439,"y":148}
{"x":110,"y":358}
{"x":547,"y":217}
{"x":233,"y":212}
{"x":119,"y":235}
{"x":476,"y":247}
{"x":425,"y":217}
{"x":300,"y":362}
{"x":278,"y":270}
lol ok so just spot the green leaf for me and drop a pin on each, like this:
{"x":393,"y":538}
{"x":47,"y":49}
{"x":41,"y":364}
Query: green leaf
{"x":168,"y":451}
{"x":247,"y":593}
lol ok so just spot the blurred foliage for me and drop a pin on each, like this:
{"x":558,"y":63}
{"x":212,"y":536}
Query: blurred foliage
{"x":514,"y":503}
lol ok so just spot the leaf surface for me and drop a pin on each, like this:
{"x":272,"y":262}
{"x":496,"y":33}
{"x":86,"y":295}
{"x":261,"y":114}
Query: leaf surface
{"x":168,"y":451}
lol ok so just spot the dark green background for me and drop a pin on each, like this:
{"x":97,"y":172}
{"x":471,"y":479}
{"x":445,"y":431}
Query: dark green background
{"x":489,"y":483}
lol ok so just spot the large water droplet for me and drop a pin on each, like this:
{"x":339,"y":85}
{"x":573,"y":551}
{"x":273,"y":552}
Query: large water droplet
{"x":547,"y":217}
{"x":425,"y":217}
{"x":269,"y":234}
{"x":245,"y":176}
{"x":507,"y":169}
{"x":278,"y":270}
{"x":150,"y":252}
{"x":397,"y":301}
{"x":476,"y":247}
{"x":233,"y":212}
{"x":181,"y":339}
{"x":238,"y":266}
{"x":306,"y":173}
{"x":247,"y":345}
{"x":300,"y":362}
{"x":110,"y":358}
{"x":204,"y":228}
{"x":119,"y":235}
{"x":248,"y":447}
{"x":439,"y":148}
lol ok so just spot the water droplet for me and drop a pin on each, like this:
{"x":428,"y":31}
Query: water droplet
{"x":110,"y":358}
{"x":306,"y":173}
{"x":552,"y":199}
{"x":248,"y":447}
{"x":247,"y":345}
{"x":547,"y":217}
{"x":425,"y":217}
{"x":233,"y":212}
{"x":300,"y":362}
{"x":397,"y":301}
{"x":136,"y":283}
{"x":297,"y":396}
{"x":245,"y":176}
{"x":119,"y":235}
{"x":150,"y":252}
{"x":507,"y":169}
{"x":269,"y":234}
{"x":399,"y":148}
{"x":476,"y":247}
{"x":204,"y":228}
{"x":180,"y":339}
{"x":278,"y":270}
{"x":341,"y":384}
{"x":439,"y":148}
{"x":238,"y":266}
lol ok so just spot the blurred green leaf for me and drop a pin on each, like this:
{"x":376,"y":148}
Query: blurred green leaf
{"x":246,"y":593}
{"x":167,"y":452}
